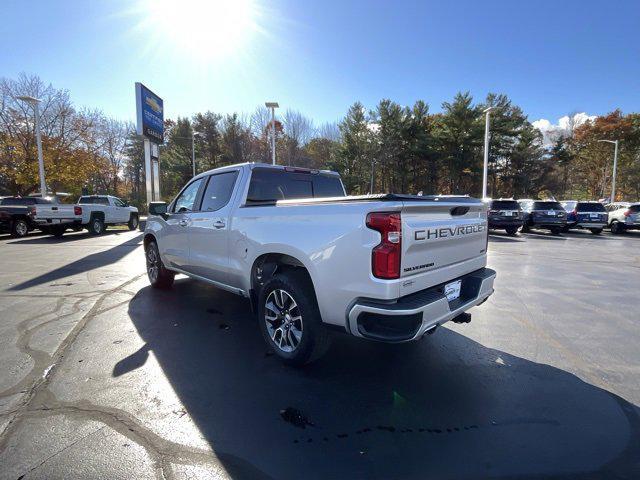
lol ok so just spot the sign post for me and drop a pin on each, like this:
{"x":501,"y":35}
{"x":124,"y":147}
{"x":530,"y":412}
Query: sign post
{"x":150,"y":125}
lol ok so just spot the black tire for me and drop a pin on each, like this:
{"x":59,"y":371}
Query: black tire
{"x":57,"y":231}
{"x":19,"y":228}
{"x":556,"y":230}
{"x":596,"y":231}
{"x":566,"y":229}
{"x":314,"y":339}
{"x":617,"y":228}
{"x":96,"y":226}
{"x":159,"y":275}
{"x":525,"y":227}
{"x":512,"y":230}
{"x":133,"y":222}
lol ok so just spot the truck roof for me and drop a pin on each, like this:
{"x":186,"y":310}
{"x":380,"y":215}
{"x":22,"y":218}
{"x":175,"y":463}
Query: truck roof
{"x":252,"y":165}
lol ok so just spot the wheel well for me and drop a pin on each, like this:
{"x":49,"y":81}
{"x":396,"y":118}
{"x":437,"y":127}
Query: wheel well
{"x":99,"y":215}
{"x":267,"y":265}
{"x":148,"y":238}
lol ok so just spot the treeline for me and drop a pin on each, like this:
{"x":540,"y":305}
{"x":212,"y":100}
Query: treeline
{"x":390,"y":148}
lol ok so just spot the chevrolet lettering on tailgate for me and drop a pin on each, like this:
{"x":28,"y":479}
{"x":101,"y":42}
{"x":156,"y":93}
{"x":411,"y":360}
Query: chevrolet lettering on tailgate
{"x":448,"y":232}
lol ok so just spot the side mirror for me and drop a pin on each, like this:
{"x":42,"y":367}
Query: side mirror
{"x":158,"y":208}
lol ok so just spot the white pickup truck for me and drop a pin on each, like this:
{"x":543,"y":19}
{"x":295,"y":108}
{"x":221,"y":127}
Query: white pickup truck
{"x":384,"y":267}
{"x":93,"y":212}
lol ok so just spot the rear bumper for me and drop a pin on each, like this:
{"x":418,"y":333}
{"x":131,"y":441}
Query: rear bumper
{"x":410,"y":317}
{"x":548,"y":223}
{"x":504,"y":223}
{"x":49,"y":222}
{"x":587,"y":225}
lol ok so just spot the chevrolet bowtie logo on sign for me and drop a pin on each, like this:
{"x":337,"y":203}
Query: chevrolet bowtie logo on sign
{"x":153,"y":103}
{"x":448,"y":232}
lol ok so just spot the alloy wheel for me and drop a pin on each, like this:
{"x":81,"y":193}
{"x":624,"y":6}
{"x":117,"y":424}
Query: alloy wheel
{"x":283,"y":320}
{"x":153,"y":264}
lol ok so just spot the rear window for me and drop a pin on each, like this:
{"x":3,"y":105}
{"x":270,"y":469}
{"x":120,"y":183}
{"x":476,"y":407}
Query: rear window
{"x":590,"y":207}
{"x":634,"y":208}
{"x":268,"y":185}
{"x":505,"y":205}
{"x":547,"y":206}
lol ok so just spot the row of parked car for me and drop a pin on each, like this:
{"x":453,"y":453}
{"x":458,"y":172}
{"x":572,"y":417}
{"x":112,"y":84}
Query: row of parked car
{"x":20,"y":215}
{"x":513,"y":215}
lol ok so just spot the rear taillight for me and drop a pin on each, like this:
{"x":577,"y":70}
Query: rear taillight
{"x":77,"y":210}
{"x":627,"y":213}
{"x":385,"y":257}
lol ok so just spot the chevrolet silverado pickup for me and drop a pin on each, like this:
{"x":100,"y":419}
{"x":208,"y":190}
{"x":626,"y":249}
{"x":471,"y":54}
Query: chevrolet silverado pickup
{"x":387,"y":267}
{"x":93,"y":212}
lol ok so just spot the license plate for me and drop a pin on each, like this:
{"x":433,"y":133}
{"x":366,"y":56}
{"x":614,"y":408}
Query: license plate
{"x":452,"y":290}
{"x":594,"y":215}
{"x":55,"y":220}
{"x":552,"y":213}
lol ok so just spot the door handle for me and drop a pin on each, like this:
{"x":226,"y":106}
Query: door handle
{"x":183,"y":223}
{"x":218,"y":224}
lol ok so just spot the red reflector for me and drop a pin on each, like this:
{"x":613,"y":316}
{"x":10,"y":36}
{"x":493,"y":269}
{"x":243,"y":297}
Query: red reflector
{"x":385,"y":257}
{"x":77,"y":210}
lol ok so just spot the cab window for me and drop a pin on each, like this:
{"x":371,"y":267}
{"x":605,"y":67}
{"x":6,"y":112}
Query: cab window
{"x":218,"y":192}
{"x":187,"y":198}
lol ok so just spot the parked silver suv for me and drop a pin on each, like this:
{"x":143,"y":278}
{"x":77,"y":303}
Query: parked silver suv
{"x":623,"y":216}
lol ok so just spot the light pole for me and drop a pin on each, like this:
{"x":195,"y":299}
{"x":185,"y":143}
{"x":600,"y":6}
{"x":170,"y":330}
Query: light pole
{"x":485,"y":168}
{"x":615,"y":167}
{"x":193,"y":150}
{"x":273,"y":106}
{"x":34,"y":103}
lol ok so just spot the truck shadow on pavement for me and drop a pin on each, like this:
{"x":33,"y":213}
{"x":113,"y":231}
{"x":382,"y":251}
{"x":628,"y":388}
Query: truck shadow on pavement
{"x":84,"y":264}
{"x":443,"y":407}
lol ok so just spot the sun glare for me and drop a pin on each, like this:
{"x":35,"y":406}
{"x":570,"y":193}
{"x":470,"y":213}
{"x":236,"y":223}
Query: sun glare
{"x":205,"y":29}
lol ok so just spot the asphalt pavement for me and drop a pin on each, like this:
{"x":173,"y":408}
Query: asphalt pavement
{"x":104,"y":377}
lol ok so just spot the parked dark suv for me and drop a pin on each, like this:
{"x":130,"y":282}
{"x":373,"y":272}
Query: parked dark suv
{"x":546,"y":214}
{"x":588,"y":215}
{"x":505,"y":214}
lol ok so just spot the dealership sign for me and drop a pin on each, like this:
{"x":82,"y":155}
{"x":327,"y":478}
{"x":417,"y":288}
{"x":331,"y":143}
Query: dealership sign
{"x":150,"y":114}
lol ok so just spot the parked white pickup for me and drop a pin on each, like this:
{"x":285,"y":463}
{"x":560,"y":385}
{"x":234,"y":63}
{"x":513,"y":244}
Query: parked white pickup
{"x":93,"y":212}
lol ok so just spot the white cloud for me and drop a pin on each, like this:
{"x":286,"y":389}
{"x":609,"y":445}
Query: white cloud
{"x":552,"y":131}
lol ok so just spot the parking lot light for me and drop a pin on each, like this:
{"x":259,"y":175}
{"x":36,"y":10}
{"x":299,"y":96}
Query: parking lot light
{"x":273,"y":106}
{"x":485,"y":168}
{"x":615,"y":168}
{"x":34,"y":102}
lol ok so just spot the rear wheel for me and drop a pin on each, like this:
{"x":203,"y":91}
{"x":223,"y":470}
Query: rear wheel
{"x":133,"y":222}
{"x":512,"y":230}
{"x":525,"y":227}
{"x":20,"y":228}
{"x":556,"y":230}
{"x":96,"y":226}
{"x":290,"y":319}
{"x":596,"y":231}
{"x":617,"y":228}
{"x":159,"y":276}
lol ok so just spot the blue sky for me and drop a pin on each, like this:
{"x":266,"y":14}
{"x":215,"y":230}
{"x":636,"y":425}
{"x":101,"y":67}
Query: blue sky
{"x":551,"y":58}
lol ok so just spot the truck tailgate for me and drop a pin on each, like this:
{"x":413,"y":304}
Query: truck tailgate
{"x":439,"y":235}
{"x":59,"y":212}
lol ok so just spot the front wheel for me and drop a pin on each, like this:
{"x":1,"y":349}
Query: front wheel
{"x":525,"y":227}
{"x":512,"y":230}
{"x":19,"y":228}
{"x":556,"y":230}
{"x":290,"y":319}
{"x":133,"y":222}
{"x":159,"y":276}
{"x":596,"y":231}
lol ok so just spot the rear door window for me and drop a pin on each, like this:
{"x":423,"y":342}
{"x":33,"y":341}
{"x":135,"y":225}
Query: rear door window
{"x":218,"y":191}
